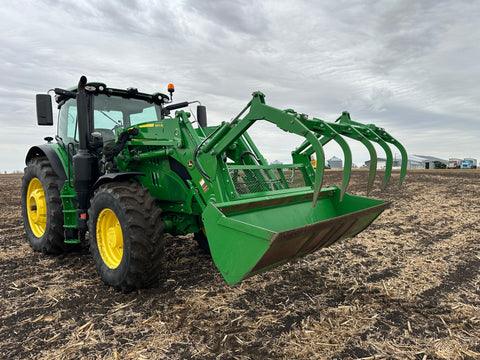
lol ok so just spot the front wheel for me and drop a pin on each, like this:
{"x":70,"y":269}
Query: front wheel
{"x":126,"y":235}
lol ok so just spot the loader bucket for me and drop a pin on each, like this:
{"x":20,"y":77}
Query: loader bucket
{"x":249,"y":237}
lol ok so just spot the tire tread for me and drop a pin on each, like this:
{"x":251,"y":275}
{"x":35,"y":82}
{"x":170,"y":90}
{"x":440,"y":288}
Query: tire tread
{"x":143,"y":229}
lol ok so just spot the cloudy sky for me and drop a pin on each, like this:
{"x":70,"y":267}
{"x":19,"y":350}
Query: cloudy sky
{"x":409,"y":66}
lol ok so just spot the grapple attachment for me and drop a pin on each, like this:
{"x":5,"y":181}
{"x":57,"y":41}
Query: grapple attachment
{"x":266,"y":217}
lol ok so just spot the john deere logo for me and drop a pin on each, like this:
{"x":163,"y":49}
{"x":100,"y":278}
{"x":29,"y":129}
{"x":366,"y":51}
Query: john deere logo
{"x":190,"y":164}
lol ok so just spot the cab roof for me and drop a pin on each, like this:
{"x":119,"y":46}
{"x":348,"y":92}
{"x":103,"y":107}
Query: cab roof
{"x":100,"y":88}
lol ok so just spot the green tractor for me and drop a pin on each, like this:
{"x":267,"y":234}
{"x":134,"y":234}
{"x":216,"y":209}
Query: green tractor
{"x":127,"y":167}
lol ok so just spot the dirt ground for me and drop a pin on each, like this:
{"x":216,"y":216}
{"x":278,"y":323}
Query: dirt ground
{"x":406,"y":288}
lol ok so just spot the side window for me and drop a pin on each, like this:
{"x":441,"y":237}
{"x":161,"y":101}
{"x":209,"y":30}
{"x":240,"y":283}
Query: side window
{"x":148,"y":114}
{"x":67,"y":122}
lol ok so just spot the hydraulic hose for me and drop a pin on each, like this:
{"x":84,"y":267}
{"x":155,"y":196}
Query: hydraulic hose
{"x":195,"y":154}
{"x":120,"y":144}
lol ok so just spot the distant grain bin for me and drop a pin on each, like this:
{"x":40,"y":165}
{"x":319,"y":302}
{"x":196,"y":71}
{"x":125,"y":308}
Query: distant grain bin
{"x":335,"y":163}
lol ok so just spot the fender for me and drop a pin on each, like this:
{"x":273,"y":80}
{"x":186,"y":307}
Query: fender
{"x":53,"y":158}
{"x":112,"y":177}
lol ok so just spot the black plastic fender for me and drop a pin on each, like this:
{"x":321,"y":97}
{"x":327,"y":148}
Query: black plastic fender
{"x":52,"y":156}
{"x":120,"y":176}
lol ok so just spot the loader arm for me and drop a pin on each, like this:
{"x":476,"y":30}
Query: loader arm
{"x":229,"y":133}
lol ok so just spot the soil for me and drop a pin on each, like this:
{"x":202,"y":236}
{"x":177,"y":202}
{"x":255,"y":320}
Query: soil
{"x":408,"y":287}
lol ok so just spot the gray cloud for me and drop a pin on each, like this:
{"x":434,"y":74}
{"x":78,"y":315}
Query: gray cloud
{"x":244,"y":16}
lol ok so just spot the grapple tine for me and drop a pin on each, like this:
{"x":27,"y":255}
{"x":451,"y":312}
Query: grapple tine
{"x":310,"y":146}
{"x":373,"y":157}
{"x":388,"y":138}
{"x":348,"y":157}
{"x":403,"y":169}
{"x":330,"y":133}
{"x":347,"y":168}
{"x":373,"y":164}
{"x":365,"y":134}
{"x":389,"y":164}
{"x":371,"y":135}
{"x":380,"y":136}
{"x":317,"y":146}
{"x":350,"y":131}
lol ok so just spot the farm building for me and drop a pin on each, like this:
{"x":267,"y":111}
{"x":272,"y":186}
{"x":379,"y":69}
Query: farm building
{"x":414,"y":162}
{"x":426,"y":162}
{"x":335,"y":163}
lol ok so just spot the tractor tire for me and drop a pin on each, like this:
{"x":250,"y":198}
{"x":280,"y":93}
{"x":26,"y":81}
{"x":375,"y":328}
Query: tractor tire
{"x":126,"y":236}
{"x":42,"y":207}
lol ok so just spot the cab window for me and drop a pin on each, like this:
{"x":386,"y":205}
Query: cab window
{"x":67,"y":122}
{"x":112,"y":111}
{"x":147,"y":114}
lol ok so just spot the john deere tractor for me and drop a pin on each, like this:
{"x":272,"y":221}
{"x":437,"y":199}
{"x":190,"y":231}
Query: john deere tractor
{"x":126,"y":167}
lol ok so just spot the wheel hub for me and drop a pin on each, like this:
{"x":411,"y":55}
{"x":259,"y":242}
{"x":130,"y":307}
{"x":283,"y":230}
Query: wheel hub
{"x":36,"y":207}
{"x":109,"y":238}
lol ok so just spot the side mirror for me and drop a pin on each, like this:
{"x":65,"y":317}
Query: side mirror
{"x":44,"y":109}
{"x":202,"y":116}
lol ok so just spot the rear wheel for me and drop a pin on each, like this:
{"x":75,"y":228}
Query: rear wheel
{"x":42,"y":207}
{"x":126,"y":235}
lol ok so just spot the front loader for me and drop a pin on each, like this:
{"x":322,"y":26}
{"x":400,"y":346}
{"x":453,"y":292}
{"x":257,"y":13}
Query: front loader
{"x":127,"y":167}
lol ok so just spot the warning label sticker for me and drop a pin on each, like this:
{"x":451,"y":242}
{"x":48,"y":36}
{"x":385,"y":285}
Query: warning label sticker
{"x":203,"y":184}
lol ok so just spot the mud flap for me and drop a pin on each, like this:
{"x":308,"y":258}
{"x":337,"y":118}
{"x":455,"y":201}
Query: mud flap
{"x":249,"y":237}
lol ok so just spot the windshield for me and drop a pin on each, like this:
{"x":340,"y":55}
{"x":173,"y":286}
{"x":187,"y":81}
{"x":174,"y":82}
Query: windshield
{"x":114,"y":111}
{"x":110,"y":113}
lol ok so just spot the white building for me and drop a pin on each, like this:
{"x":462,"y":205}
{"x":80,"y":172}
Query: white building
{"x":428,"y":162}
{"x":414,"y":162}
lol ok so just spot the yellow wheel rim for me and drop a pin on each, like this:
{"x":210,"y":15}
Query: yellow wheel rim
{"x":109,"y":238}
{"x":36,"y":208}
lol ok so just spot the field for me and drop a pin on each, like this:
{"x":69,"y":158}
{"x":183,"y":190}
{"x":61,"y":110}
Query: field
{"x":406,"y":288}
